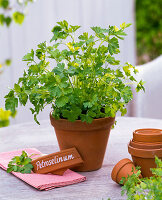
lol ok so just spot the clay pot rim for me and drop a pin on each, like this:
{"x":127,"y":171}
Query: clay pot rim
{"x":142,"y":145}
{"x":149,"y":135}
{"x":116,"y":169}
{"x":144,"y":153}
{"x":147,"y":129}
{"x":146,"y":143}
{"x":78,"y":125}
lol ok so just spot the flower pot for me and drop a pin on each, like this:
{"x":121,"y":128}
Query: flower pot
{"x":122,"y":169}
{"x":145,"y":158}
{"x":143,"y":145}
{"x":89,"y":139}
{"x":148,"y":135}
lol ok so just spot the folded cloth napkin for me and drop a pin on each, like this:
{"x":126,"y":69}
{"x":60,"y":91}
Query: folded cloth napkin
{"x":40,"y":181}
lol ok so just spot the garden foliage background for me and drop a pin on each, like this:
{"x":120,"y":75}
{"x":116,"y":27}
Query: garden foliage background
{"x":148,"y":30}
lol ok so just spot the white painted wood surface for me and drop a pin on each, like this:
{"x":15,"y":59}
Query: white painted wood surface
{"x":98,"y":185}
{"x":16,"y":41}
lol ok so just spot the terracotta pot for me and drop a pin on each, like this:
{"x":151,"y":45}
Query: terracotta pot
{"x":143,"y":145}
{"x":148,"y":135}
{"x":122,"y":169}
{"x":89,"y":139}
{"x":145,"y":158}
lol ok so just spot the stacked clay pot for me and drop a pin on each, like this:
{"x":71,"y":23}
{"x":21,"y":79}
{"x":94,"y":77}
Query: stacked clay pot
{"x":145,"y":145}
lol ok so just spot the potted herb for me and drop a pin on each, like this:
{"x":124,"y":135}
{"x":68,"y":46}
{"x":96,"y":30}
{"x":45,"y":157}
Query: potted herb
{"x":84,"y":84}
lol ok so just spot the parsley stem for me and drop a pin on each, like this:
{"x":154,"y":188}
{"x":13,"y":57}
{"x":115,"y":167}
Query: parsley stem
{"x":70,"y":82}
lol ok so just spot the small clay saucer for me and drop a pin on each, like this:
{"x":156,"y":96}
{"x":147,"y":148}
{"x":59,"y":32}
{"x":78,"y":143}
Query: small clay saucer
{"x":122,"y":169}
{"x":148,"y":135}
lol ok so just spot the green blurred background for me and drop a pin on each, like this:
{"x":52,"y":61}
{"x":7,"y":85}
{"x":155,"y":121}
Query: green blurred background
{"x":148,"y":30}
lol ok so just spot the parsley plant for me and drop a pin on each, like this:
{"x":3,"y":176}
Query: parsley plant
{"x":20,"y":164}
{"x":145,"y":188}
{"x":78,"y":76}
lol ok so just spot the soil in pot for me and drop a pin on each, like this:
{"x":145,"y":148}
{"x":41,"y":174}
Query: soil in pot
{"x":145,"y":158}
{"x":89,"y":139}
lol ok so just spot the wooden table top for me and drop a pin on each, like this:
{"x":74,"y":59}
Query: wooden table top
{"x":98,"y":185}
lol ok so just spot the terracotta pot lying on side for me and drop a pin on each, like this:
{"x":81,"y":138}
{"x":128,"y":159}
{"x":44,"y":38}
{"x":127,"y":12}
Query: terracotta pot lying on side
{"x":143,"y":145}
{"x":145,"y":158}
{"x":89,"y":139}
{"x":122,"y":169}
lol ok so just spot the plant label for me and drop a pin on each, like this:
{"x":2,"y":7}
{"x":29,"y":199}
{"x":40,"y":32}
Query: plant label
{"x":57,"y":163}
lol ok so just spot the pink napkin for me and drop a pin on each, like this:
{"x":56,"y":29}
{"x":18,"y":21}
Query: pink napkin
{"x":40,"y":181}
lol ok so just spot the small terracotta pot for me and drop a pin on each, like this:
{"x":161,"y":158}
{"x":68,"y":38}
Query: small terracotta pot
{"x":148,"y":135}
{"x":143,"y":145}
{"x":89,"y":139}
{"x":122,"y":169}
{"x":145,"y":158}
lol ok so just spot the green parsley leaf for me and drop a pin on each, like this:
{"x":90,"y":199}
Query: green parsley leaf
{"x":20,"y":164}
{"x":29,"y":56}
